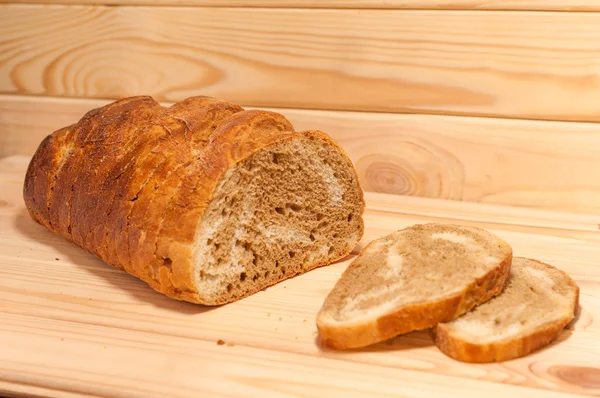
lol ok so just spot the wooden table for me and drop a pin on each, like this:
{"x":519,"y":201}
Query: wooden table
{"x":72,"y":326}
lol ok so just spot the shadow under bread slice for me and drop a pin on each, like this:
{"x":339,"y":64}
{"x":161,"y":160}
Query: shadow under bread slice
{"x":411,"y":280}
{"x":538,"y":302}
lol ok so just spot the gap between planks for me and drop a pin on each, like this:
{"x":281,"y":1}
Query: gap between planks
{"x":437,"y":5}
{"x":97,"y":101}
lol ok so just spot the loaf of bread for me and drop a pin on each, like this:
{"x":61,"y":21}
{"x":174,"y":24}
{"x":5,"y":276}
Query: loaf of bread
{"x":536,"y":305}
{"x":204,"y":201}
{"x":411,"y":280}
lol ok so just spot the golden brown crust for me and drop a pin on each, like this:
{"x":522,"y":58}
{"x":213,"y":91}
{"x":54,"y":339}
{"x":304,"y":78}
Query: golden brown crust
{"x":418,"y":316}
{"x":109,"y":141}
{"x":59,"y":205}
{"x":83,"y":142}
{"x":198,"y":119}
{"x":99,"y":165}
{"x":496,"y":352}
{"x":41,"y":174}
{"x":465,"y":351}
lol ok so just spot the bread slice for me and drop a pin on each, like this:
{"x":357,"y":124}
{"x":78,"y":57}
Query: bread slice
{"x":204,"y":201}
{"x":536,"y":305}
{"x":411,"y":280}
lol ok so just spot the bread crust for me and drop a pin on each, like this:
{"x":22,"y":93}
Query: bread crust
{"x":190,"y":123}
{"x":505,"y":350}
{"x":40,"y":177}
{"x":418,"y":316}
{"x":85,"y":190}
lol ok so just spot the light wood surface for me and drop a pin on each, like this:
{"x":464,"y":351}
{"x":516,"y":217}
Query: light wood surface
{"x":541,"y":65}
{"x":549,"y":5}
{"x":72,"y":326}
{"x":551,"y":165}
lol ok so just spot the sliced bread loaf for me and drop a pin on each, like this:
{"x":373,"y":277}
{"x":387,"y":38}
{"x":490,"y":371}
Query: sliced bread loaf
{"x":536,"y":305}
{"x":411,"y":280}
{"x":204,"y":201}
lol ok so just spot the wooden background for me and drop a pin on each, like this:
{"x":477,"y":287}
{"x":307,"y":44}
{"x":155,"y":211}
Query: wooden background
{"x":492,"y":101}
{"x":496,"y":102}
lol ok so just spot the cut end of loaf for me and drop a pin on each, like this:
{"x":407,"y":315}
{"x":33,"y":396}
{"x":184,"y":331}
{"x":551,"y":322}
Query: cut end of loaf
{"x":286,"y":209}
{"x":537,"y":303}
{"x":411,"y":280}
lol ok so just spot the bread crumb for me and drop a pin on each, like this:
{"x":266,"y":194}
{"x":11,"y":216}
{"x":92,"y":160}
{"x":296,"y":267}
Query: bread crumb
{"x":220,"y":342}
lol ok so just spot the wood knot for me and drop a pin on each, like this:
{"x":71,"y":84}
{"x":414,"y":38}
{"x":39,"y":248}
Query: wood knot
{"x":583,"y":376}
{"x":417,"y":170}
{"x":392,"y":178}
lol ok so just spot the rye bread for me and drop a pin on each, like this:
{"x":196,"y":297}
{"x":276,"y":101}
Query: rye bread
{"x":534,"y":308}
{"x":411,"y":280}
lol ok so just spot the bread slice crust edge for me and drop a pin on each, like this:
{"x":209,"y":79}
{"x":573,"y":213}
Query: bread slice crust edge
{"x":511,"y":348}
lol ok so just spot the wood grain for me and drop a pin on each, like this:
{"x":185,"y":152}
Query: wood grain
{"x":71,"y":325}
{"x":541,"y":65}
{"x":550,"y":165}
{"x":545,"y":5}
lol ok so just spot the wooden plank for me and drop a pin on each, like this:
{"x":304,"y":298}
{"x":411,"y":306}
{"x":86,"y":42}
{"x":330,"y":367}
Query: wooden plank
{"x":510,"y":64}
{"x":25,"y":121}
{"x":75,"y":326}
{"x":101,"y":361}
{"x":546,"y":165}
{"x":511,"y":5}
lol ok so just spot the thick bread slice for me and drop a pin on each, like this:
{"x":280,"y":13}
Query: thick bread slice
{"x":203,"y":201}
{"x":190,"y":124}
{"x":269,"y":203}
{"x":411,"y":280}
{"x":536,"y":305}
